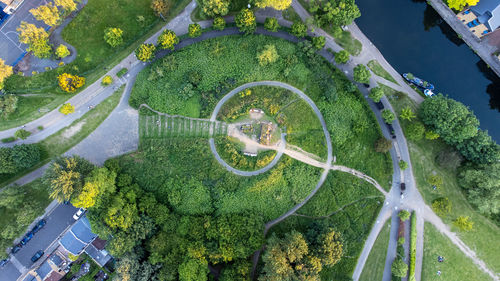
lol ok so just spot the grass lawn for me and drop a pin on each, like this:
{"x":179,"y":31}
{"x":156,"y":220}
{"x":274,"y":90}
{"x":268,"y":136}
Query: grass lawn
{"x":346,"y":41}
{"x":26,"y":203}
{"x":456,"y":266}
{"x":27,"y":109}
{"x":290,"y":15}
{"x":423,"y":154}
{"x":70,"y":136}
{"x":374,"y":266}
{"x":378,"y":70}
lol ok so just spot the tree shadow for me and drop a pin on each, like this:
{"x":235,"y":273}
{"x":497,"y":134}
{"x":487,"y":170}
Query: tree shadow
{"x":493,"y":88}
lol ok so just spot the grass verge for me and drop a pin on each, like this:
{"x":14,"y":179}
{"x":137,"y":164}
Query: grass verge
{"x":374,"y":266}
{"x":378,"y":70}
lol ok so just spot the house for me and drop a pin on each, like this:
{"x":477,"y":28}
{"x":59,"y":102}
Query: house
{"x":96,"y":252}
{"x":11,"y":5}
{"x":78,"y":237}
{"x":50,"y":270}
{"x":488,"y":13}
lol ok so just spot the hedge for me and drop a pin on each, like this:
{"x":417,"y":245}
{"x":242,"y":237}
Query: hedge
{"x":413,"y":245}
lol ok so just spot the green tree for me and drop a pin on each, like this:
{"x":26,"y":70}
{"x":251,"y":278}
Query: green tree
{"x":22,"y":134}
{"x":362,"y":74}
{"x":441,"y":206}
{"x":319,"y":42}
{"x":99,"y":182}
{"x":7,"y":165}
{"x":167,"y":40}
{"x":194,"y":30}
{"x":193,"y":270}
{"x":161,"y":7}
{"x":25,"y":156}
{"x":8,"y":105}
{"x":145,"y":52}
{"x":458,"y":5}
{"x":482,"y":186}
{"x":452,"y":120}
{"x":464,"y":223}
{"x":407,"y":113}
{"x":271,"y":24}
{"x":376,"y":94}
{"x":404,"y":215}
{"x":268,"y":55}
{"x":113,"y":36}
{"x":403,"y":165}
{"x":383,"y":145}
{"x":214,"y":8}
{"x":275,"y":4}
{"x":399,"y":268}
{"x":480,"y":149}
{"x":299,"y":29}
{"x":246,"y":21}
{"x":219,"y":23}
{"x":388,"y":116}
{"x":341,"y":57}
{"x":415,"y":131}
{"x":65,"y":177}
{"x":334,"y":12}
{"x":62,"y":51}
{"x":36,"y":38}
{"x":47,"y":13}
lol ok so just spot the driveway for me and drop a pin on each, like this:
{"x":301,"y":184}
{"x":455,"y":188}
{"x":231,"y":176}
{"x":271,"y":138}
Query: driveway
{"x":10,"y":48}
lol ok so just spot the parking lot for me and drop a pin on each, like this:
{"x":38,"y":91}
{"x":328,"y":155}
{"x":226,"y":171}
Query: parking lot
{"x":10,"y":48}
{"x":57,"y":222}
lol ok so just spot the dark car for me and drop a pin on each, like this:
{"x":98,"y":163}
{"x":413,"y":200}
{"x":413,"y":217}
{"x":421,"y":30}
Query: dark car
{"x":38,"y":226}
{"x":16,"y":248}
{"x":403,"y":186}
{"x":379,"y":105}
{"x":37,"y":256}
{"x":4,"y":262}
{"x":27,"y":238}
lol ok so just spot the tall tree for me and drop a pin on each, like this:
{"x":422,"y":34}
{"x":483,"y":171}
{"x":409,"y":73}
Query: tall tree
{"x":362,"y":74}
{"x":99,"y":182}
{"x":113,"y":36}
{"x":334,"y":12}
{"x":480,"y":149}
{"x":25,"y":155}
{"x":167,"y":40}
{"x":376,"y":94}
{"x":47,"y":13}
{"x":67,"y":6}
{"x":458,"y":5}
{"x":482,"y":186}
{"x":36,"y":38}
{"x":5,"y":71}
{"x":246,"y":21}
{"x":275,"y":4}
{"x":214,"y":8}
{"x":161,"y":7}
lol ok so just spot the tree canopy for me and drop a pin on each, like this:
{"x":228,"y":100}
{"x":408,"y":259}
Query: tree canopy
{"x":36,"y":38}
{"x":214,"y":8}
{"x":458,"y":5}
{"x":482,"y":186}
{"x":47,"y":13}
{"x":246,"y":21}
{"x":334,"y":12}
{"x":275,"y":4}
{"x":362,"y":74}
{"x":5,"y":71}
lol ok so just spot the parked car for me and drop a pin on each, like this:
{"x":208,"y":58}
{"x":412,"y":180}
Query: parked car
{"x":78,"y":213}
{"x":38,"y":226}
{"x":391,"y":130}
{"x":27,"y":238}
{"x":379,"y":105}
{"x":403,"y":186}
{"x":16,"y":248}
{"x":4,"y":262}
{"x":37,"y":256}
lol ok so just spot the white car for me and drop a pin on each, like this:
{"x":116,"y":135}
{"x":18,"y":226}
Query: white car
{"x":78,"y":213}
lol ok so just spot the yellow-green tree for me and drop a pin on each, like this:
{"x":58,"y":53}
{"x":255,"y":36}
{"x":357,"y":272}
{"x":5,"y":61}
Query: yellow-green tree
{"x":62,"y":51}
{"x":67,"y":108}
{"x":245,"y":21}
{"x":67,"y":6}
{"x":113,"y":36}
{"x":275,"y":4}
{"x":167,"y":40}
{"x":464,"y":223}
{"x":407,"y":113}
{"x":194,"y":30}
{"x":48,"y":13}
{"x":69,"y":83}
{"x":214,"y":8}
{"x":145,"y":52}
{"x":107,"y":80}
{"x":36,"y":38}
{"x":88,"y":197}
{"x":5,"y":71}
{"x":161,"y":7}
{"x":268,"y":55}
{"x":460,"y":4}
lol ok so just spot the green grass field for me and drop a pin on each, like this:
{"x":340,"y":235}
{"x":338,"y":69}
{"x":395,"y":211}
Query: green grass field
{"x":374,"y":266}
{"x":349,"y":43}
{"x":456,"y":266}
{"x":378,"y":70}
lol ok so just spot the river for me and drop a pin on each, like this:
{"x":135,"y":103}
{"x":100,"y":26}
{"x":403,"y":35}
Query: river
{"x":413,"y":38}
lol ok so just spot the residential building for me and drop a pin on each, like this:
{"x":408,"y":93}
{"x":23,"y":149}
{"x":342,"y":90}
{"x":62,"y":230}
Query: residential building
{"x":488,"y":13}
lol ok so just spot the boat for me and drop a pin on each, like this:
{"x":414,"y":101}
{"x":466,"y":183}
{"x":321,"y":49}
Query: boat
{"x":418,"y":82}
{"x":428,"y":93}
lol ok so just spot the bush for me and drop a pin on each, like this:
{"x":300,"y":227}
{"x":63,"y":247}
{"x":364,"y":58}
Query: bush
{"x":404,"y":215}
{"x":62,"y":51}
{"x":22,"y":134}
{"x":121,"y":72}
{"x":403,"y":165}
{"x":401,"y":241}
{"x":67,"y":108}
{"x":299,"y":29}
{"x":415,"y":131}
{"x":194,"y":30}
{"x":271,"y":24}
{"x":376,"y":94}
{"x":145,"y":52}
{"x":399,"y":268}
{"x":213,"y":8}
{"x":464,"y":223}
{"x":436,"y":181}
{"x":319,"y":42}
{"x":8,"y":139}
{"x":70,"y":83}
{"x":413,"y":246}
{"x":383,"y":145}
{"x":219,"y":23}
{"x":168,"y":39}
{"x":113,"y":36}
{"x":25,"y":156}
{"x":341,"y":57}
{"x":441,"y":206}
{"x":431,"y":135}
{"x":107,"y":80}
{"x":388,"y":116}
{"x":362,"y":74}
{"x":268,"y":55}
{"x":246,"y":21}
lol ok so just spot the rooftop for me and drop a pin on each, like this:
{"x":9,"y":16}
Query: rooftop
{"x":488,"y":13}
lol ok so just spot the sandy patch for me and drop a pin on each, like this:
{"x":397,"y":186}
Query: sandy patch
{"x":71,"y":131}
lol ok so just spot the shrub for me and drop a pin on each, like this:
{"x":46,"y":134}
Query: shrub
{"x":362,"y":74}
{"x":106,"y":80}
{"x":268,"y":55}
{"x":383,"y":145}
{"x":271,"y":24}
{"x":145,"y":52}
{"x":8,"y":139}
{"x":464,"y":223}
{"x":113,"y":36}
{"x":69,"y":83}
{"x":62,"y":51}
{"x":40,"y":128}
{"x":376,"y":94}
{"x":246,"y":21}
{"x":161,"y":7}
{"x":341,"y":57}
{"x":441,"y":206}
{"x":22,"y":134}
{"x":388,"y":116}
{"x":404,"y":215}
{"x":319,"y":42}
{"x":67,"y":108}
{"x":401,"y":241}
{"x":413,"y":246}
{"x":431,"y":135}
{"x":121,"y":72}
{"x":299,"y":29}
{"x":194,"y":30}
{"x":403,"y":165}
{"x":213,"y":8}
{"x":25,"y":156}
{"x":399,"y":268}
{"x":168,"y":39}
{"x":415,"y":131}
{"x":8,"y":105}
{"x":436,"y":181}
{"x":219,"y":23}
{"x":72,"y":257}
